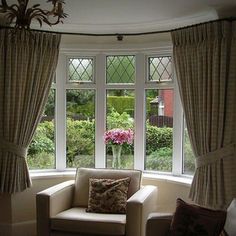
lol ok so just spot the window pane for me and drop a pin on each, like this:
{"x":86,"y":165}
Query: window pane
{"x":120,"y":115}
{"x":81,"y":69}
{"x":159,"y":129}
{"x":41,"y":153}
{"x":80,"y":134}
{"x":120,"y":69}
{"x":159,"y":69}
{"x":189,"y":159}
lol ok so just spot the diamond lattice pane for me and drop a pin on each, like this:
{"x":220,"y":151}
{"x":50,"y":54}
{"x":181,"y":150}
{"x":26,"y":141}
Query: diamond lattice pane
{"x":160,"y":69}
{"x":120,"y":69}
{"x":81,"y":69}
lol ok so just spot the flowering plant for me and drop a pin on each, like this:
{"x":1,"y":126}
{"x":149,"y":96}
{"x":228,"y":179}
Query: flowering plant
{"x":119,"y":136}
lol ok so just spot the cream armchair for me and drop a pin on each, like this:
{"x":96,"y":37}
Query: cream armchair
{"x":61,"y":209}
{"x":158,"y":224}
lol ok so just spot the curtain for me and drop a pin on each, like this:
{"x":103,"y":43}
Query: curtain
{"x":205,"y":64}
{"x":27,"y":65}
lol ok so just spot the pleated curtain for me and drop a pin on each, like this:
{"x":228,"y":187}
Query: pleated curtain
{"x":205,"y":64}
{"x":27,"y":65}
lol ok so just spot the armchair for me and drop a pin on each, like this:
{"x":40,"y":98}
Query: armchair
{"x":158,"y":224}
{"x":61,"y":209}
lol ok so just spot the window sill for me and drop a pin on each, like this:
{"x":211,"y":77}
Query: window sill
{"x":52,"y":174}
{"x":183,"y":180}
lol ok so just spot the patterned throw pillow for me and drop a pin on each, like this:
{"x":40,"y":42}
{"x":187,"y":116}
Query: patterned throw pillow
{"x":193,"y":220}
{"x":108,"y":195}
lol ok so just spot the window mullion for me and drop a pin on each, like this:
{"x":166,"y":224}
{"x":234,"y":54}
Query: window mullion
{"x":139,"y":113}
{"x":100,"y":124}
{"x":177,"y":133}
{"x":61,"y":113}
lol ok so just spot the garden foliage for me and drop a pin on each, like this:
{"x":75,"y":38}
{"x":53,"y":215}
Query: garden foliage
{"x":81,"y":139}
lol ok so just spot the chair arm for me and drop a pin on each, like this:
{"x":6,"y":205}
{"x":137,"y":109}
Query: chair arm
{"x":139,"y":206}
{"x":50,"y":202}
{"x":158,"y":224}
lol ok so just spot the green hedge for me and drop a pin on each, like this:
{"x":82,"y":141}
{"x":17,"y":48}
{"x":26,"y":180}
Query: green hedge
{"x":125,"y":104}
{"x":43,"y":139}
{"x":81,"y":144}
{"x":121,"y":103}
{"x":80,"y":139}
{"x":157,"y":138}
{"x":118,"y":103}
{"x":160,"y":160}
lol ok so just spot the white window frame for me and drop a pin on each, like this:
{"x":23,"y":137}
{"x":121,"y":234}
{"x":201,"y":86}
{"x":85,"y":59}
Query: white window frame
{"x":100,"y":86}
{"x":177,"y":113}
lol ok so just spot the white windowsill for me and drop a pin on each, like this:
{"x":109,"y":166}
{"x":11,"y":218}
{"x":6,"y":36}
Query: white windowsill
{"x":51,"y":174}
{"x":183,"y":180}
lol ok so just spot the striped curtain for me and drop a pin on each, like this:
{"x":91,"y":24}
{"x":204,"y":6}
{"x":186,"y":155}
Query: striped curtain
{"x":205,"y":63}
{"x":27,"y":65}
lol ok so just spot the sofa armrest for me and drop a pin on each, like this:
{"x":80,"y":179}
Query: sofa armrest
{"x":158,"y":224}
{"x":139,"y":206}
{"x":50,"y":202}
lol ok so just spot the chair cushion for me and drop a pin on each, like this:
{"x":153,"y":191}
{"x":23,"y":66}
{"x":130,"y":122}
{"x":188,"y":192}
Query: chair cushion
{"x":79,"y":221}
{"x":108,"y":195}
{"x":195,"y":220}
{"x":81,"y":193}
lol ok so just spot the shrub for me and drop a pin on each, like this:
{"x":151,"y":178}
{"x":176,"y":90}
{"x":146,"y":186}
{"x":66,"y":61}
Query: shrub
{"x":157,"y":138}
{"x":189,"y":158}
{"x":86,"y":110}
{"x":81,"y":144}
{"x":41,"y":161}
{"x":82,"y":161}
{"x":121,"y":103}
{"x":43,"y":141}
{"x":117,"y":120}
{"x":125,"y":103}
{"x":160,"y":160}
{"x":80,"y":139}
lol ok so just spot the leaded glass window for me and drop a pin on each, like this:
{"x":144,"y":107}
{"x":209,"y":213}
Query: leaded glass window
{"x":160,"y":69}
{"x":81,"y":69}
{"x":120,"y":69}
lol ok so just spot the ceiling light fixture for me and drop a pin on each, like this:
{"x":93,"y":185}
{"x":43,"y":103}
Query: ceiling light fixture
{"x":22,"y":16}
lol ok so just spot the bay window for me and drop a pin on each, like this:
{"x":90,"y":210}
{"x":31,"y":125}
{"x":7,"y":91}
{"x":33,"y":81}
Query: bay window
{"x":99,"y":91}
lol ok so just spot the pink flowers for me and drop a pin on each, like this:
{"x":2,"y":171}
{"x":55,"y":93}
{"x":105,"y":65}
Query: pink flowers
{"x":119,"y":136}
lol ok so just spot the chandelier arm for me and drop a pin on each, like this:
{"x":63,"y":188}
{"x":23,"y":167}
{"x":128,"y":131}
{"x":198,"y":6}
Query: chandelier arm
{"x":44,"y":14}
{"x":51,"y":23}
{"x":4,"y":4}
{"x":55,"y":23}
{"x":38,"y":16}
{"x":25,"y":15}
{"x":13,"y":11}
{"x":41,"y":18}
{"x":36,"y":11}
{"x":39,"y":21}
{"x":36,"y":5}
{"x":10,"y":17}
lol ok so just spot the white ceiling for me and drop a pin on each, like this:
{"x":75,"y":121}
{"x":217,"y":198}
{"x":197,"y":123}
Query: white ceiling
{"x":135,"y":16}
{"x":129,"y":16}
